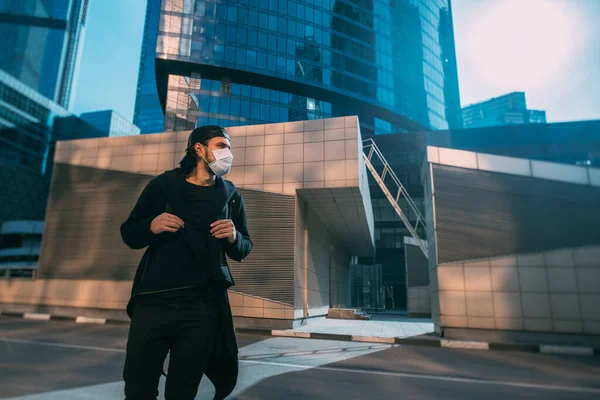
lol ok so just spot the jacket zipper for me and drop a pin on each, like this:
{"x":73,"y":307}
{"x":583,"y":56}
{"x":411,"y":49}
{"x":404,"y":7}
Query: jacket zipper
{"x":222,"y":256}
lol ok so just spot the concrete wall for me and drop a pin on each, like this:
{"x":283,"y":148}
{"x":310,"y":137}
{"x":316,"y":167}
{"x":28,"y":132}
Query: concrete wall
{"x":419,"y":302}
{"x":339,"y":286}
{"x":92,"y":294}
{"x":513,"y":243}
{"x":108,"y":299}
{"x":85,"y":265}
{"x":300,"y":248}
{"x":417,"y":278}
{"x":429,"y":206}
{"x":327,"y":275}
{"x":416,"y":264}
{"x":321,"y":159}
{"x":553,"y":291}
{"x":288,"y":156}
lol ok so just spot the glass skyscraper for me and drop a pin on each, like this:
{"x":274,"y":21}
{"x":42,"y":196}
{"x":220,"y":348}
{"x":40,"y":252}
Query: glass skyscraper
{"x":41,"y":44}
{"x":244,"y":62}
{"x":40,"y":48}
{"x":148,"y":114}
{"x":30,"y":125}
{"x":508,"y":109}
{"x":111,"y":123}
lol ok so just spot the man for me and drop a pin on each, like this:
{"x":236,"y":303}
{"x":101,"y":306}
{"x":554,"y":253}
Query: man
{"x":189,"y":218}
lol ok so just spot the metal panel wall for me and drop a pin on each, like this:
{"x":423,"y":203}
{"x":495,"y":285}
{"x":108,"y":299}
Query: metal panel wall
{"x":484,"y":214}
{"x":88,"y":205}
{"x":86,"y":208}
{"x":269,"y":270}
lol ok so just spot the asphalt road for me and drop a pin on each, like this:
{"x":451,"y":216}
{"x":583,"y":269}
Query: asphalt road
{"x":62,"y":360}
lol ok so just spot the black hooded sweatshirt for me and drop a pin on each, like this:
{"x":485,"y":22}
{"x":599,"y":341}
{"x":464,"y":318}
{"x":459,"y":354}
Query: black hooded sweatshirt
{"x":189,"y":257}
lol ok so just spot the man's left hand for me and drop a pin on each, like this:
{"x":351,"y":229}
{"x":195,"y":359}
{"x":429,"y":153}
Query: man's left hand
{"x":224,"y":229}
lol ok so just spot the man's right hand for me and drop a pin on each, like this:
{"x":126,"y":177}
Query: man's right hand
{"x":166,"y":222}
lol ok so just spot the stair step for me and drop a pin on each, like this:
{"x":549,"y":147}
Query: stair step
{"x":345,"y":313}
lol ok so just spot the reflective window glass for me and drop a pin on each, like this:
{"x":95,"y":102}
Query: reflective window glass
{"x":232,"y":14}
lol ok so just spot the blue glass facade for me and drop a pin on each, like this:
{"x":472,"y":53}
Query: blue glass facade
{"x":30,"y":125}
{"x":194,"y":102}
{"x":390,"y":62}
{"x":148,"y":113}
{"x":110,"y":123}
{"x":26,"y":120}
{"x":41,"y":44}
{"x":73,"y":51}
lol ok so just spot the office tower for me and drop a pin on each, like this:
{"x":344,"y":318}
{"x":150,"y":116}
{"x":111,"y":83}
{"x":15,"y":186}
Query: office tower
{"x":110,"y":122}
{"x":148,"y":114}
{"x":508,"y":109}
{"x":42,"y":42}
{"x":241,"y":63}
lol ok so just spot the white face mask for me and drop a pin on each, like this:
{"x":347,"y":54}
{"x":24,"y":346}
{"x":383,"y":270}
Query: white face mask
{"x":223,"y":160}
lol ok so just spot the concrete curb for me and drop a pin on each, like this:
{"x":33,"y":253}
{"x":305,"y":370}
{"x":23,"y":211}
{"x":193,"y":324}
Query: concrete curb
{"x":447,"y":343}
{"x":414,"y":341}
{"x":78,"y":320}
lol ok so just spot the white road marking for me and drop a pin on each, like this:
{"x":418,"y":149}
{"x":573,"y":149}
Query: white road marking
{"x":475,"y":381}
{"x":61,"y":345}
{"x":551,"y":349}
{"x":540,"y":386}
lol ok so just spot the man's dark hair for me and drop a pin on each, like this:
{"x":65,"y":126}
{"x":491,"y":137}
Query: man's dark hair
{"x":189,"y":162}
{"x":201,"y":135}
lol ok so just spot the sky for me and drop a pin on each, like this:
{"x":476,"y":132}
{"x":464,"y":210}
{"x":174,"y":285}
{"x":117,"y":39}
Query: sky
{"x":111,"y":56}
{"x":550,"y":49}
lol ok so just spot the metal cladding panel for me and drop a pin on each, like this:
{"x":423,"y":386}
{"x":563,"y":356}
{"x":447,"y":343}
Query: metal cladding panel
{"x":87,"y":206}
{"x":269,"y":269}
{"x":417,"y":266}
{"x":484,"y":214}
{"x":82,"y":238}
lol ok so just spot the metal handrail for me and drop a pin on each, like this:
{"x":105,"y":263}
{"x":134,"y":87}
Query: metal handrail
{"x":369,"y":150}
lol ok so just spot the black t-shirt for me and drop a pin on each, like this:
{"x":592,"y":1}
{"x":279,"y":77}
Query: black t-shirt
{"x":200,"y":201}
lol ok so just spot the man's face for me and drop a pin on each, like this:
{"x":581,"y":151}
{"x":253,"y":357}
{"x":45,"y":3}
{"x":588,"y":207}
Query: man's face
{"x":216,"y":143}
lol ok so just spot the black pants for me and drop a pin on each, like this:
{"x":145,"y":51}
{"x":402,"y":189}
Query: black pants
{"x":186,"y":323}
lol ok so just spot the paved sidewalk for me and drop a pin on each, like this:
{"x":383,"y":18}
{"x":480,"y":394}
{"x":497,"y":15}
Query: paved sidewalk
{"x":394,"y":329}
{"x":379,"y":326}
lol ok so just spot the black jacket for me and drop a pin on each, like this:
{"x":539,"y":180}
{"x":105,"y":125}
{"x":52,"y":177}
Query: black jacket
{"x":164,"y":193}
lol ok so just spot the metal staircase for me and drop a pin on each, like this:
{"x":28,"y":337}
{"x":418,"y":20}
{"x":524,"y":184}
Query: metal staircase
{"x":370,"y":153}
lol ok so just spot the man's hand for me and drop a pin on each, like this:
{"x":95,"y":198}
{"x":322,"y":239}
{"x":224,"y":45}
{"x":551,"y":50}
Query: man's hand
{"x":224,"y":228}
{"x":166,"y":222}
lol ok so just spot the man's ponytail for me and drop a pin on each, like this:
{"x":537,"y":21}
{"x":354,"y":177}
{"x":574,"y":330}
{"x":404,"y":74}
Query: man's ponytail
{"x":189,"y":162}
